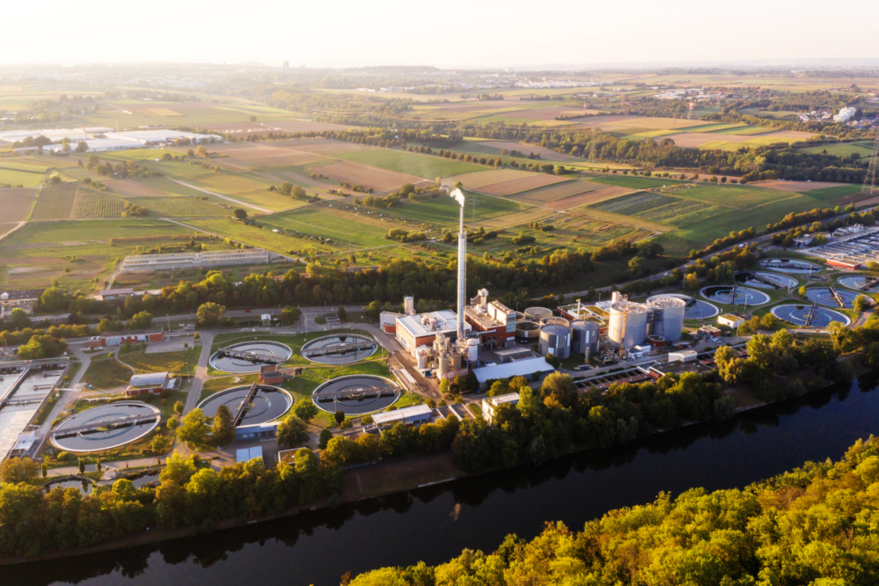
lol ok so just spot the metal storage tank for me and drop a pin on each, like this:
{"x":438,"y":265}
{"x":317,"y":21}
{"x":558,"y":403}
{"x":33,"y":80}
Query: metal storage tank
{"x":555,"y":340}
{"x":527,"y":331}
{"x":584,"y":337}
{"x":668,"y":317}
{"x":536,"y":314}
{"x":635,"y":317}
{"x":520,"y":316}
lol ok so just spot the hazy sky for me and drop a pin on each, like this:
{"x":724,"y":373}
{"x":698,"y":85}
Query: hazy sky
{"x":442,"y":33}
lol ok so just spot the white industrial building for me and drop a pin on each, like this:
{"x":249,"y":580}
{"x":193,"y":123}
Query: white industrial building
{"x":189,"y":260}
{"x":490,"y":405}
{"x":101,"y":139}
{"x":421,"y":329}
{"x":845,"y":114}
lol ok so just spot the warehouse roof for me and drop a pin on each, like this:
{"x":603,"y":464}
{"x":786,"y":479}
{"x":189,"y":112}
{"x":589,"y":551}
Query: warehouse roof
{"x":149,"y":379}
{"x":400,"y":414}
{"x":515,"y":368}
{"x":445,"y":321}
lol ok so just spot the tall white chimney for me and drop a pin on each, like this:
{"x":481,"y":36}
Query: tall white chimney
{"x":462,"y":264}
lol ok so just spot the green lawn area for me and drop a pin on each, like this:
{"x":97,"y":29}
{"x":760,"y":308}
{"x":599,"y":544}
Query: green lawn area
{"x":19,"y":177}
{"x":863,"y":148}
{"x":426,"y":166}
{"x":217,"y":384}
{"x":174,"y":362}
{"x":259,"y":237}
{"x":342,"y":227}
{"x":633,"y":182}
{"x":107,"y":373}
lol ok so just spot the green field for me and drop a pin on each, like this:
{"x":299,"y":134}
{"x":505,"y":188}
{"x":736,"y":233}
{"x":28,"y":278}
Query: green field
{"x":656,"y":207}
{"x":862,"y":148}
{"x":741,"y":197}
{"x":634,"y":182}
{"x":183,"y":362}
{"x":77,"y":252}
{"x":181,"y":207}
{"x":445,"y":210}
{"x":19,"y":178}
{"x":342,"y":227}
{"x":425,"y":166}
{"x":828,"y":194}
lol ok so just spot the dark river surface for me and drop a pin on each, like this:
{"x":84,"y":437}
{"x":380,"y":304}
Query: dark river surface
{"x":435,"y":523}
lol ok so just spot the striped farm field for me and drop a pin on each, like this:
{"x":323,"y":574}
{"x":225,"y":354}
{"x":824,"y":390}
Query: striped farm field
{"x":55,"y":202}
{"x":90,"y":203}
{"x":513,"y":186}
{"x":480,"y":179}
{"x":555,"y":192}
{"x":417,"y":165}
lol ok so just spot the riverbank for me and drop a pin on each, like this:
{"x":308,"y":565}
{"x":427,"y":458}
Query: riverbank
{"x":362,"y":484}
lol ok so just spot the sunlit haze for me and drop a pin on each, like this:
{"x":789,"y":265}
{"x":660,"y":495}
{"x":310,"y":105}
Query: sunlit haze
{"x":455,"y":33}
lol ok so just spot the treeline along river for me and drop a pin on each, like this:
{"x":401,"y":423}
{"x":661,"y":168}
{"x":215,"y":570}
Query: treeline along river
{"x":435,"y":523}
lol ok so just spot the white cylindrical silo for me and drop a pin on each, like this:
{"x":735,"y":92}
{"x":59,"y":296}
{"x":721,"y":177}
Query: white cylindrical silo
{"x":630,"y":320}
{"x":422,"y":358}
{"x":409,"y":305}
{"x":472,"y":350}
{"x":668,"y":317}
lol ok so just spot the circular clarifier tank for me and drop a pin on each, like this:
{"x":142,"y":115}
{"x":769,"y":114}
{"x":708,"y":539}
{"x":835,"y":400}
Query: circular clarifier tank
{"x":858,"y":283}
{"x":743,"y":295}
{"x":356,"y":394}
{"x":824,"y":296}
{"x":269,"y":403}
{"x":763,"y":280}
{"x":799,"y":314}
{"x":105,"y":427}
{"x":339,"y":349}
{"x":790,"y":265}
{"x":247,"y":357}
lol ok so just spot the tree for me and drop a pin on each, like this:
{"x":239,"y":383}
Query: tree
{"x":16,"y":470}
{"x":20,"y":318}
{"x":861,"y":303}
{"x":292,"y":432}
{"x":341,"y":313}
{"x":178,"y":407}
{"x":140,"y":320}
{"x":339,"y":416}
{"x":178,"y":469}
{"x":691,"y":282}
{"x":202,"y":151}
{"x":290,"y":316}
{"x":82,"y":146}
{"x":54,"y":299}
{"x":324,"y":438}
{"x":305,"y":409}
{"x":222,"y":428}
{"x":253,"y":118}
{"x":193,"y":429}
{"x":339,"y":450}
{"x":240,"y":213}
{"x":769,"y":322}
{"x":210,"y":314}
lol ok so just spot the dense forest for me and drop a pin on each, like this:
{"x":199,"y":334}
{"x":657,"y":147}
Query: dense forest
{"x":814,"y":525}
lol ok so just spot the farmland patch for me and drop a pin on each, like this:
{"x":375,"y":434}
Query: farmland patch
{"x":417,"y":165}
{"x":512,"y":186}
{"x":15,"y":203}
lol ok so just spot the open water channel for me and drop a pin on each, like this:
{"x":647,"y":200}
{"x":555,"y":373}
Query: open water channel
{"x":435,"y":523}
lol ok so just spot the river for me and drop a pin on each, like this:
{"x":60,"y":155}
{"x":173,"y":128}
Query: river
{"x":435,"y":523}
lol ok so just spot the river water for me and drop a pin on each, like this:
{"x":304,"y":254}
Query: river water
{"x":435,"y":523}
